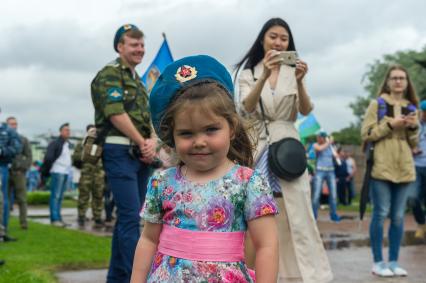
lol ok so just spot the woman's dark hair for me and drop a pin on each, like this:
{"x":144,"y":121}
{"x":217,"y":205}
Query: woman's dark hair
{"x":256,"y":52}
{"x":409,"y":93}
{"x":211,"y":98}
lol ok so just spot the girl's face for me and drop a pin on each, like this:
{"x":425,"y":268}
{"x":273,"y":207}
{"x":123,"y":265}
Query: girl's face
{"x":276,"y":38}
{"x":397,"y":81}
{"x":202,"y":141}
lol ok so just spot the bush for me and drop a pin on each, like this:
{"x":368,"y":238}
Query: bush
{"x":38,"y":198}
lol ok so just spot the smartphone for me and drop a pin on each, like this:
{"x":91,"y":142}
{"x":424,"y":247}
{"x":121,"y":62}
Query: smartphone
{"x":288,"y":57}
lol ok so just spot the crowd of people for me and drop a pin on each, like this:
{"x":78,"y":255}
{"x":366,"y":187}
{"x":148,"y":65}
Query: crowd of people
{"x":183,"y":159}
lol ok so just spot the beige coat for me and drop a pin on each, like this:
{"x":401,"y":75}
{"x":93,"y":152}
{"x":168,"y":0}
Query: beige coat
{"x":393,"y":160}
{"x":302,"y":254}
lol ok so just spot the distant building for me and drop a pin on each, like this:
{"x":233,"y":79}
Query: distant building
{"x":39,"y":143}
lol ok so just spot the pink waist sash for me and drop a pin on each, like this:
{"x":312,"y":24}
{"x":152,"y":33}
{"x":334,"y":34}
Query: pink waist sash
{"x":202,"y":245}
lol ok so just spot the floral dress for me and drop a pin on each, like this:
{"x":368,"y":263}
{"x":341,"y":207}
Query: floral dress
{"x":222,"y":205}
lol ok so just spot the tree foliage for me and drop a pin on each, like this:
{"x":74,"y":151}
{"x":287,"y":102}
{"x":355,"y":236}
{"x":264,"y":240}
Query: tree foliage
{"x":348,"y":135}
{"x":413,"y":61}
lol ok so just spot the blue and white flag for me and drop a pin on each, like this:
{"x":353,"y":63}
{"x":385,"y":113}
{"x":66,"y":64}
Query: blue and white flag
{"x":307,"y":125}
{"x":162,"y":59}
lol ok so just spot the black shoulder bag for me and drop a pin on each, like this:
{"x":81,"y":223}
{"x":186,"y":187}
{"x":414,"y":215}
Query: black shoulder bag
{"x":286,"y":157}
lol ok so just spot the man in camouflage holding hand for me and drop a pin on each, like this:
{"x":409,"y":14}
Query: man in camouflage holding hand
{"x":121,"y":111}
{"x":90,"y":186}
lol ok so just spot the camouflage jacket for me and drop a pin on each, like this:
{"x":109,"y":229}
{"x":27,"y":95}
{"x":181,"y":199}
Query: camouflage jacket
{"x":85,"y":166}
{"x":22,"y":162}
{"x":115,"y":91}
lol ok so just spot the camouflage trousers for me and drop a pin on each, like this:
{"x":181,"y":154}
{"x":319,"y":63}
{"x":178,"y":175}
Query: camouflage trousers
{"x":91,"y":186}
{"x":18,"y":187}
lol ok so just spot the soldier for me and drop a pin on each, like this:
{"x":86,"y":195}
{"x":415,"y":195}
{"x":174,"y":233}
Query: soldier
{"x":122,"y":115}
{"x":91,"y":184}
{"x":18,"y":181}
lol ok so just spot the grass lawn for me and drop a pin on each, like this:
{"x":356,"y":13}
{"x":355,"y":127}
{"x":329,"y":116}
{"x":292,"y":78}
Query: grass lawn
{"x":43,"y":250}
{"x":353,"y":208}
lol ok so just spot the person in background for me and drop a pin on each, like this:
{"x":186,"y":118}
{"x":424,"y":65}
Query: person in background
{"x":18,"y":181}
{"x":281,"y":89}
{"x":91,"y":185}
{"x":417,"y":200}
{"x":352,"y":170}
{"x":325,"y":172}
{"x":57,"y":165}
{"x":341,"y":171}
{"x":10,"y":146}
{"x":394,"y":135}
{"x":33,"y":176}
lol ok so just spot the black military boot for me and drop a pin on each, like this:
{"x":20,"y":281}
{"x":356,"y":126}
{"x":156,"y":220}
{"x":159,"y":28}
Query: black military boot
{"x":81,"y":221}
{"x":99,"y":224}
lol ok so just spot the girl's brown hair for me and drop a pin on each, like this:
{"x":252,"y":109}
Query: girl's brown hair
{"x":410,"y":92}
{"x":213,"y":98}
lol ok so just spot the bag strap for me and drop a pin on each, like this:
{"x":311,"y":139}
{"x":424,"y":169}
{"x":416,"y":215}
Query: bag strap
{"x":262,"y":109}
{"x":100,"y":138}
{"x":268,"y":137}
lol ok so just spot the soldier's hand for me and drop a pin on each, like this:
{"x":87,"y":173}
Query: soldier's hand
{"x":148,"y":148}
{"x":148,"y":151}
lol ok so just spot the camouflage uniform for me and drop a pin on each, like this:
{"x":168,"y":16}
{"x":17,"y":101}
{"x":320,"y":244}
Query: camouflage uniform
{"x":91,"y":184}
{"x":18,"y":181}
{"x":117,"y":90}
{"x":109,"y":98}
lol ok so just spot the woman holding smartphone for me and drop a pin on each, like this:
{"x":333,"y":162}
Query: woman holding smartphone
{"x":264,"y":78}
{"x":391,"y":124}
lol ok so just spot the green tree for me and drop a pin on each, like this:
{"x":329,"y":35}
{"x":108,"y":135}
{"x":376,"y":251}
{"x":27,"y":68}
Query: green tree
{"x":348,"y":135}
{"x":413,"y":61}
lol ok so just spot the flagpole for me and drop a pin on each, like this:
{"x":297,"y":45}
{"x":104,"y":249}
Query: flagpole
{"x":164,"y":35}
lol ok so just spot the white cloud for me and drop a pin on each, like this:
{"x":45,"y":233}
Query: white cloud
{"x":51,"y":49}
{"x":335,"y":76}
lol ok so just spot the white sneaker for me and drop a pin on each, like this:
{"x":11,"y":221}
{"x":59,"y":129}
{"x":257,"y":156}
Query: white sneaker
{"x":396,"y":269}
{"x":380,"y":269}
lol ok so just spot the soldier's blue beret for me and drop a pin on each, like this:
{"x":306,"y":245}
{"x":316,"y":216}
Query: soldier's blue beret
{"x":120,"y":33}
{"x":182,"y":74}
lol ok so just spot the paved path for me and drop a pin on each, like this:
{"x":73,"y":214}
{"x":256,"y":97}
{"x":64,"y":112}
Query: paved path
{"x":348,"y":265}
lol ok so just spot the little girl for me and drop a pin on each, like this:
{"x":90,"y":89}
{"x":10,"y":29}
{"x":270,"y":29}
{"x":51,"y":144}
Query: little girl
{"x":196,"y":214}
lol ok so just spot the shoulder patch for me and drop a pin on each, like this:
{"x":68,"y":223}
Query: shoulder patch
{"x":115,"y":94}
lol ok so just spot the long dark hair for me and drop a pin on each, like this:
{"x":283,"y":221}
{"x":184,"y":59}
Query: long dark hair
{"x":256,"y":52}
{"x":213,"y":98}
{"x":409,"y":93}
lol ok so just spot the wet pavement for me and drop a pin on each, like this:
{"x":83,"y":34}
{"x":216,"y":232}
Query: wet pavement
{"x":84,"y":276}
{"x":354,"y":265}
{"x":346,"y":242}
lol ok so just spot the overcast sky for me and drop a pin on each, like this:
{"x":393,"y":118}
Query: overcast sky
{"x":50,"y":50}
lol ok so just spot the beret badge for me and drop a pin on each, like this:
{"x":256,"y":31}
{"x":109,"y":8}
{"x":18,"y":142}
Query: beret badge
{"x":185,"y":73}
{"x":127,"y":27}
